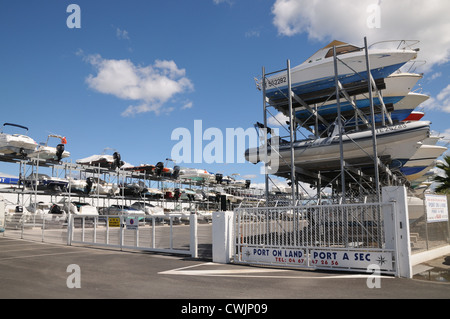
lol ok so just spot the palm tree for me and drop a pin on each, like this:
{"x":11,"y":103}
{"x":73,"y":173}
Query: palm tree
{"x":444,"y":186}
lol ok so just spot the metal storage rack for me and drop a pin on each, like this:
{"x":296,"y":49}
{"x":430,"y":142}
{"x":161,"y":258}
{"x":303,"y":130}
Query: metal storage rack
{"x":362,"y":179}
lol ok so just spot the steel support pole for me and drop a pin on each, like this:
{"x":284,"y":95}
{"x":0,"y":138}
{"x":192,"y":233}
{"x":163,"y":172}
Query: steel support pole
{"x":291,"y":132}
{"x":341,"y":146}
{"x":372,"y":114}
{"x":266,"y":176}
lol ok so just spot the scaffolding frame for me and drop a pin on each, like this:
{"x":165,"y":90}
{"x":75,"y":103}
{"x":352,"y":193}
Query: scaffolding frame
{"x":367,"y":182}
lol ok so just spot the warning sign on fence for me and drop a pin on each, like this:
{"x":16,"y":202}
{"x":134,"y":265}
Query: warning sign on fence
{"x":132,"y":222}
{"x":114,"y":221}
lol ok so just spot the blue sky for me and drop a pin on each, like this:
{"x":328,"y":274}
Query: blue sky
{"x":194,"y":60}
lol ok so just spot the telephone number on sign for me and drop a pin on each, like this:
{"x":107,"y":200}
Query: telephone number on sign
{"x":324,"y":262}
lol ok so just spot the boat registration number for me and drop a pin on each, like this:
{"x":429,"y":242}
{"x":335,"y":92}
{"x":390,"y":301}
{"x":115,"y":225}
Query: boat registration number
{"x":277,"y":81}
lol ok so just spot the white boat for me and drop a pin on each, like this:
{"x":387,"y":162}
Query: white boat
{"x":397,"y":142}
{"x":416,"y":207}
{"x":148,"y":208}
{"x":122,"y":210}
{"x":194,"y":174}
{"x":154,"y":193}
{"x":317,"y":72}
{"x":422,"y":161}
{"x":76,"y":185}
{"x":97,"y":186}
{"x":47,"y":211}
{"x":16,"y":143}
{"x":398,"y":86}
{"x":78,"y":208}
{"x":104,"y":160}
{"x":46,"y":183}
{"x":43,"y":151}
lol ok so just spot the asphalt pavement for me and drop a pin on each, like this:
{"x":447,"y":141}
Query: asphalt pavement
{"x":34,"y":270}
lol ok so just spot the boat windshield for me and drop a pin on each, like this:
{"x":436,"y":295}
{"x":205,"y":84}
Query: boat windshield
{"x":342,"y":50}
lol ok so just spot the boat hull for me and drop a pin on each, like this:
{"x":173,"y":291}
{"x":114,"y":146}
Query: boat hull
{"x":16,"y":144}
{"x":398,"y":87}
{"x":311,"y":77}
{"x":397,"y":142}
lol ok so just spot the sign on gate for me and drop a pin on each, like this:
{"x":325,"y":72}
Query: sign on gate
{"x":274,"y":256}
{"x":357,"y":259}
{"x":132,"y":223}
{"x":114,"y":221}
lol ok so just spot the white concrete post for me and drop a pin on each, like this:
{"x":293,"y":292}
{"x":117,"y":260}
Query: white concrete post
{"x":194,"y":239}
{"x":222,"y":233}
{"x":396,"y":225}
{"x":2,"y":215}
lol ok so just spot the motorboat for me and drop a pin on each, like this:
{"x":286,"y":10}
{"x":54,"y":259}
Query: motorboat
{"x":148,"y":208}
{"x":77,"y":186}
{"x":103,"y":160}
{"x":402,"y":111}
{"x":97,"y":186}
{"x":133,"y":189}
{"x":143,"y":168}
{"x":397,"y":142}
{"x":17,"y":144}
{"x":46,"y":152}
{"x":414,"y":116}
{"x":194,"y":174}
{"x":9,"y":181}
{"x":190,"y":195}
{"x":78,"y":208}
{"x":122,"y":210}
{"x":416,"y":208}
{"x":422,"y":161}
{"x":47,"y":211}
{"x":154,"y":193}
{"x":398,"y":86}
{"x":317,"y":73}
{"x":46,"y":183}
{"x":16,"y":215}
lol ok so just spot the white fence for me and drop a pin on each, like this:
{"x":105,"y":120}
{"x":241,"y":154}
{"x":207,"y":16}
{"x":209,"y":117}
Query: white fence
{"x":135,"y":232}
{"x":159,"y":233}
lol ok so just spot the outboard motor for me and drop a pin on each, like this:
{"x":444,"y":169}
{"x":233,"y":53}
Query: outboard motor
{"x":247,"y":183}
{"x":88,"y":187}
{"x":117,"y":160}
{"x":159,"y":168}
{"x":177,"y":194}
{"x":175,"y":172}
{"x":219,"y":178}
{"x":59,"y":151}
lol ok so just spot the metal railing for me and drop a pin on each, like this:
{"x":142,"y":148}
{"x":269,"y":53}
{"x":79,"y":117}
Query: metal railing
{"x":316,"y":226}
{"x":135,"y":232}
{"x":310,"y":231}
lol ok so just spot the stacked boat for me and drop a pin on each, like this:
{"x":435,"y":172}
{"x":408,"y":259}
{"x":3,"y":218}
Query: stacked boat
{"x":22,"y":145}
{"x":403,"y":140}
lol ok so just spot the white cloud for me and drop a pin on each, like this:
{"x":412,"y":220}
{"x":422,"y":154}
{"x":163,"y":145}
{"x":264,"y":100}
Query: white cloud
{"x":122,"y":34}
{"x":252,"y":34}
{"x":327,"y":20}
{"x":277,"y":120}
{"x":223,"y":1}
{"x":188,"y":105}
{"x":441,"y":102}
{"x":152,"y":86}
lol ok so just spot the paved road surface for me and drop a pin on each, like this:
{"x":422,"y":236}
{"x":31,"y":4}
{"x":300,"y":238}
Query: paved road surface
{"x":37,"y":270}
